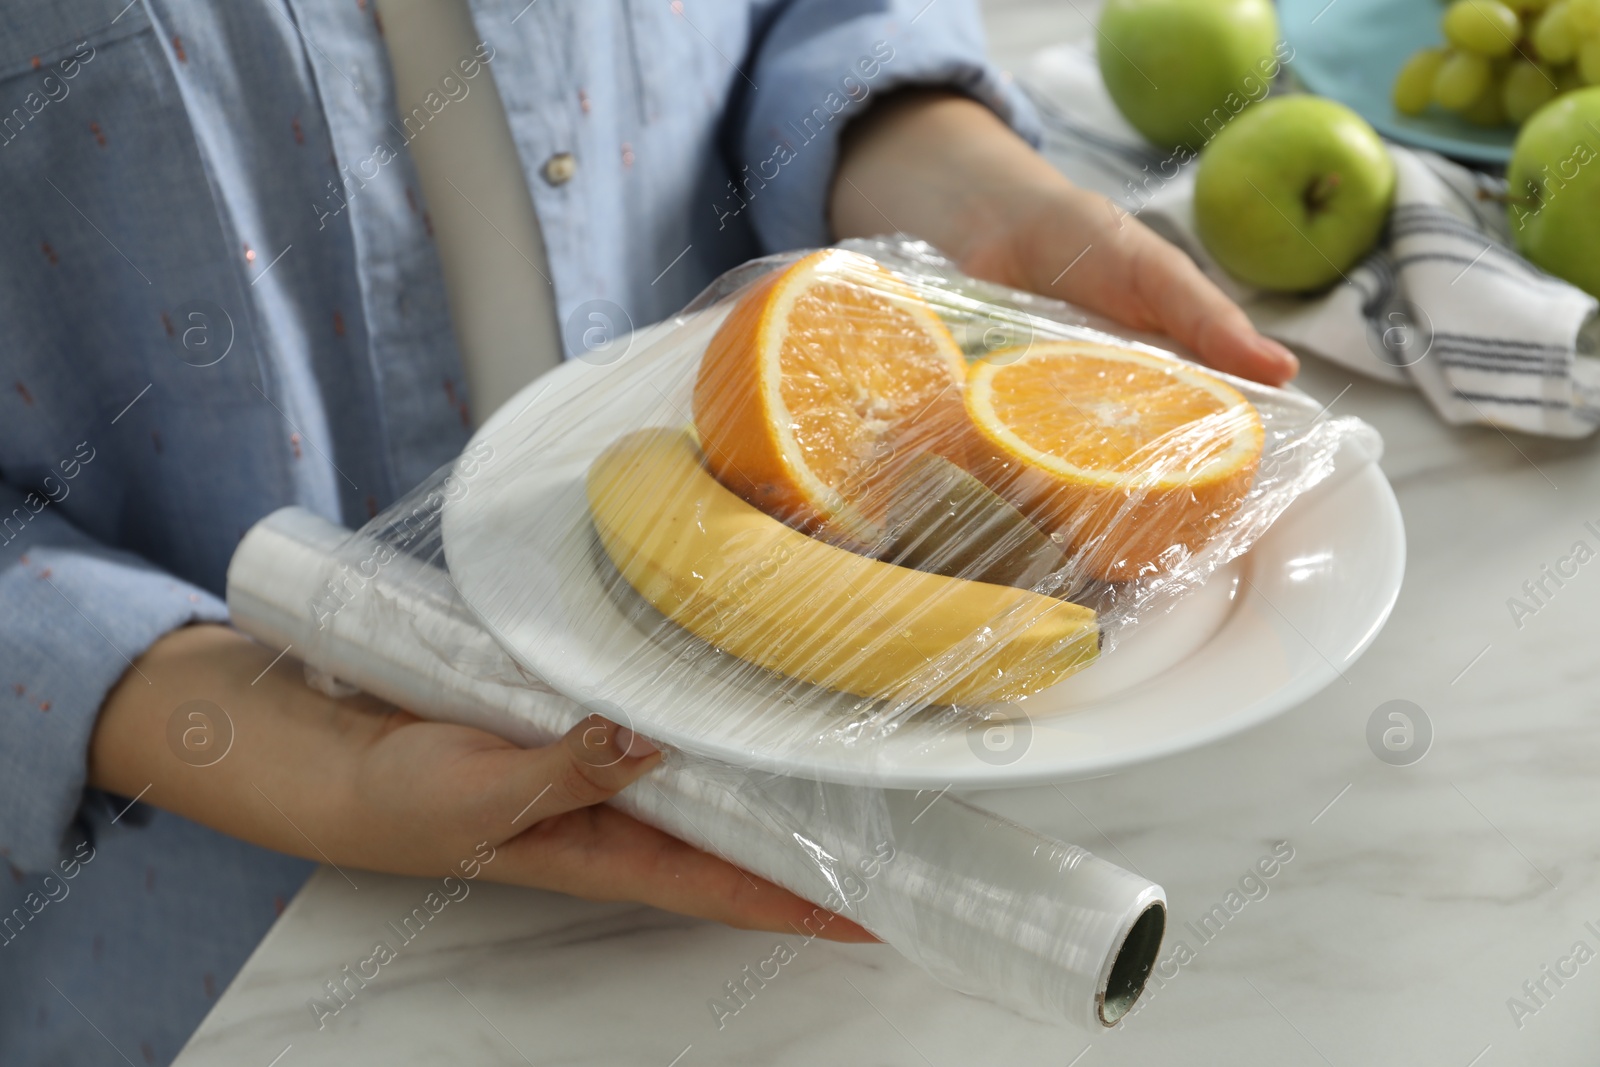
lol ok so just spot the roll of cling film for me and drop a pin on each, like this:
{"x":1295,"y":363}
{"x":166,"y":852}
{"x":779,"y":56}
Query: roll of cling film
{"x":847,"y":507}
{"x":1063,"y":934}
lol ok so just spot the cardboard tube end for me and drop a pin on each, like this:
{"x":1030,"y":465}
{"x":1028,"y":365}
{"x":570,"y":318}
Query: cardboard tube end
{"x":1130,"y":969}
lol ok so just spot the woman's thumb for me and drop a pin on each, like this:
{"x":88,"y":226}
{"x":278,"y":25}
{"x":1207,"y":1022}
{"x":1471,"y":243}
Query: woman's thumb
{"x":594,"y":761}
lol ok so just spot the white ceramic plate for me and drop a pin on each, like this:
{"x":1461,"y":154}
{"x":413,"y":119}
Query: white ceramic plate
{"x":1261,"y":636}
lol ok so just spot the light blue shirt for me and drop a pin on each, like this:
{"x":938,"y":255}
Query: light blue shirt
{"x":218,"y":296}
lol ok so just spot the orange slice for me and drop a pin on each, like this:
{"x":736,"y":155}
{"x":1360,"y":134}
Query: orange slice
{"x":823,"y":378}
{"x":1135,"y":459}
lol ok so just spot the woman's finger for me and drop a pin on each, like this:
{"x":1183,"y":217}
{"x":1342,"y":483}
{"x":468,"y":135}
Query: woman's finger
{"x":594,"y":761}
{"x":1191,"y":308}
{"x":602,"y":854}
{"x":1091,"y":252}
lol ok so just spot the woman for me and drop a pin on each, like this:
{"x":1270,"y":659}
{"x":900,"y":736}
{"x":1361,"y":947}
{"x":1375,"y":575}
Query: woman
{"x":284,"y":251}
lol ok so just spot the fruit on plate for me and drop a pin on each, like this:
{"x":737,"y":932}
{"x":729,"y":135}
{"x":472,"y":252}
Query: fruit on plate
{"x":1293,"y":193}
{"x":1179,"y":70}
{"x":1482,"y":27}
{"x":1554,"y":189}
{"x":822,"y":378}
{"x":1413,"y":86}
{"x":1527,"y":88}
{"x":943,"y":520}
{"x":1502,"y":60}
{"x":1136,"y":459}
{"x":1462,"y":78}
{"x":777,"y":598}
{"x":1489,"y":109}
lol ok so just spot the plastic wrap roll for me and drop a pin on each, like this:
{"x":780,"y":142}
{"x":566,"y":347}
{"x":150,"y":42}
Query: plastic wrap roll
{"x":985,"y":905}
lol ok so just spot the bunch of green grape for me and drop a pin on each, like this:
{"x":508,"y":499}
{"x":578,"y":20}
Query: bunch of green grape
{"x":1503,"y":59}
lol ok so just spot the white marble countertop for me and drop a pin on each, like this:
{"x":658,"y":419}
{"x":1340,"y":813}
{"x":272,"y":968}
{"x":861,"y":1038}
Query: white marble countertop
{"x":1419,"y":901}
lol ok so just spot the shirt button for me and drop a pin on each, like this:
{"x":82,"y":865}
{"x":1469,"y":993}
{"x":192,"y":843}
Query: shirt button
{"x":559,"y":168}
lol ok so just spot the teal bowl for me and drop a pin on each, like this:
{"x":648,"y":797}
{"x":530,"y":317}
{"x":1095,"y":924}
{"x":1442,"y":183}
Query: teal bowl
{"x":1351,"y":50}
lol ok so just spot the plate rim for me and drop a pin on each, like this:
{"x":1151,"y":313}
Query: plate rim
{"x":894,"y":772}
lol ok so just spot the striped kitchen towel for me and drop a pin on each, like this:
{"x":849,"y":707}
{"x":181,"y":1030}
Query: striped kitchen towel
{"x":1443,"y":303}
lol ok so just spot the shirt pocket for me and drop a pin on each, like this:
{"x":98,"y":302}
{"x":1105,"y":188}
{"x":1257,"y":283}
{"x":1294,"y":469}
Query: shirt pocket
{"x":114,"y":266}
{"x":55,"y":39}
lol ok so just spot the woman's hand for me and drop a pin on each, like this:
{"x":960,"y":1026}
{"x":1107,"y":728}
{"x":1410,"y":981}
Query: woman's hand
{"x":944,"y":168}
{"x":359,"y":784}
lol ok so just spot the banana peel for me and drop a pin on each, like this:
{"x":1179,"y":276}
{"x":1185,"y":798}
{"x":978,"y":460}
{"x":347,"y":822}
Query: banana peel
{"x":943,"y":520}
{"x":777,"y":598}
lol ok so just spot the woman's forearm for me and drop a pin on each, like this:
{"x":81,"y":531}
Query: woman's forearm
{"x":938,"y":166}
{"x":360,"y":784}
{"x":202,"y":728}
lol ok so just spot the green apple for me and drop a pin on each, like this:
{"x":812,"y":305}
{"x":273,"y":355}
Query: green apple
{"x":1179,"y":70}
{"x":1293,"y":193}
{"x":1554,"y":196}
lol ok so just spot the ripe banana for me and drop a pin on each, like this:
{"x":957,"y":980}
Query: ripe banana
{"x":743,"y":581}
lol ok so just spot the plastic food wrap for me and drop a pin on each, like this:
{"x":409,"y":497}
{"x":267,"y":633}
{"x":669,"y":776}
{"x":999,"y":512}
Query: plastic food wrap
{"x":846,"y":496}
{"x":986,"y":906}
{"x":846,"y":499}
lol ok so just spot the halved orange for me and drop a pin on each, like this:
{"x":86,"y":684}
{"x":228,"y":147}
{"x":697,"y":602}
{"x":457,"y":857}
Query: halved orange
{"x":825,"y":377}
{"x":1136,"y":459}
